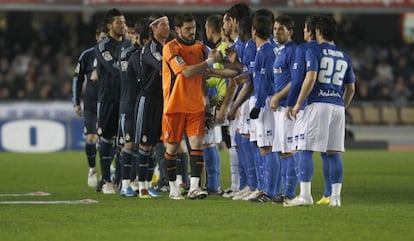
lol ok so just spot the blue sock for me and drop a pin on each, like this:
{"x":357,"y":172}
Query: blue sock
{"x":306,"y":166}
{"x":272,"y":174}
{"x":211,"y":160}
{"x":241,"y":157}
{"x":296,"y":158}
{"x":258,"y":164}
{"x":326,"y":178}
{"x":291,"y":178}
{"x":283,"y":169}
{"x":336,"y":169}
{"x":249,"y":163}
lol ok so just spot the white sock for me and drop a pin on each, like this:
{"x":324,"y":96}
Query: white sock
{"x":142,"y":185}
{"x":148,"y":183}
{"x":194,"y":183}
{"x":179,"y":180}
{"x":336,"y":189}
{"x":173,"y":187}
{"x":305,"y":189}
{"x":125,"y":183}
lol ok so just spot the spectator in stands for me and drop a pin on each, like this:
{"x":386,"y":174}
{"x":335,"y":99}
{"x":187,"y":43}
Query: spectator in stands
{"x":401,"y":93}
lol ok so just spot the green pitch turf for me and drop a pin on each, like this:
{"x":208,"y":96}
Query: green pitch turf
{"x":377,"y":204}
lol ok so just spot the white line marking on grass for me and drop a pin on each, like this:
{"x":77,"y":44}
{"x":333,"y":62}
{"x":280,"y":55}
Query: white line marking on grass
{"x":38,"y":193}
{"x":82,"y":201}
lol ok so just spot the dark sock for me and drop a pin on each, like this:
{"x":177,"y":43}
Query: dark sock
{"x":90,"y":150}
{"x":171,"y":164}
{"x":196,"y":162}
{"x":106,"y":153}
{"x":142,"y":160}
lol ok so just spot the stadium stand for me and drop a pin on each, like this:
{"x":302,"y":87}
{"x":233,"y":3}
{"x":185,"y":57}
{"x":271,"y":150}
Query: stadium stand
{"x":407,"y":115}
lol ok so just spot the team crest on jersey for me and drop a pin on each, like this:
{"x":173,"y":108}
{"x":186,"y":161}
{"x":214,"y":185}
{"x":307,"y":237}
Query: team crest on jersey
{"x":157,"y":56}
{"x":263,"y":71}
{"x":124,"y":66}
{"x":144,"y":138}
{"x":277,"y":70}
{"x":127,"y":137}
{"x":107,"y":56}
{"x":77,"y":68}
{"x":121,"y":140}
{"x":99,"y":131}
{"x":179,"y":60}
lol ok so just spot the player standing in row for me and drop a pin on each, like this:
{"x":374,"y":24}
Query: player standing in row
{"x":86,"y":70}
{"x":129,"y":88}
{"x":108,"y":53}
{"x":329,"y":85}
{"x":283,"y":138}
{"x":149,"y":104}
{"x":185,"y":101}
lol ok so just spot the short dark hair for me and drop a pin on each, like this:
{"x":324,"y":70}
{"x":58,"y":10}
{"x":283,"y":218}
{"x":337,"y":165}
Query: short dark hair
{"x":141,"y":27}
{"x":215,"y":22}
{"x":101,"y":28}
{"x":310,"y":22}
{"x":286,"y":21}
{"x":263,"y":26}
{"x":238,"y":11}
{"x":328,"y":27}
{"x":182,"y":18}
{"x":111,"y":14}
{"x":245,"y":25}
{"x":265,"y":12}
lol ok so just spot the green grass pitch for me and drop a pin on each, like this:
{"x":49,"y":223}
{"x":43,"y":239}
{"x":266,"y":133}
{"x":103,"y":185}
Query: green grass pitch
{"x":377,"y":204}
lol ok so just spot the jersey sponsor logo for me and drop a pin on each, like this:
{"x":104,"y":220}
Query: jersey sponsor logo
{"x":124,"y":66}
{"x":77,"y":68}
{"x":107,"y":56}
{"x":329,"y":93}
{"x":33,"y":136}
{"x":179,"y":60}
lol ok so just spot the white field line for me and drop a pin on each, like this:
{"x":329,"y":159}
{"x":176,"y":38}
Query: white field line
{"x":38,"y":193}
{"x":82,"y":201}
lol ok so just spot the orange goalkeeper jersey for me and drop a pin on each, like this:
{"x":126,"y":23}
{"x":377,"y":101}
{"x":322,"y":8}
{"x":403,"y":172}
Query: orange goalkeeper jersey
{"x":181,"y":94}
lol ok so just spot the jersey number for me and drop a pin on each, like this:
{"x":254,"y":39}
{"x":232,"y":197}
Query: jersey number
{"x":332,"y":71}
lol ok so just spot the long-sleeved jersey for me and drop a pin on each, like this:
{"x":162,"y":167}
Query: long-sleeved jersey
{"x":263,"y":74}
{"x":85,"y":66}
{"x":249,"y":54}
{"x":128,"y":85}
{"x":334,"y":70}
{"x":108,"y":53}
{"x":282,"y":68}
{"x":151,"y":67}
